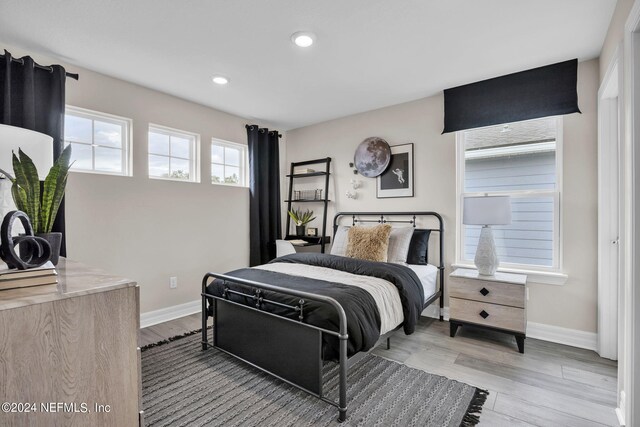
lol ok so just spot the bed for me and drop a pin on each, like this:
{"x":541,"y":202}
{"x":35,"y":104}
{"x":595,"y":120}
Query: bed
{"x":291,"y":315}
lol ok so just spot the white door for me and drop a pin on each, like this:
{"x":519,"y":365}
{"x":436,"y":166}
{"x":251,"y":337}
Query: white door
{"x":608,"y":213}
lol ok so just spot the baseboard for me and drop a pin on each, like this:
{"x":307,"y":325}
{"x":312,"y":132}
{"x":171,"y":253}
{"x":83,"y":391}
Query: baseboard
{"x":620,"y":410}
{"x":432,"y":311}
{"x":169,"y":313}
{"x":620,"y":417}
{"x":557,"y":334}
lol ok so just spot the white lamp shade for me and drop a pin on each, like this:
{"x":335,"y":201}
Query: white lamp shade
{"x":487,"y":210}
{"x":36,"y":145}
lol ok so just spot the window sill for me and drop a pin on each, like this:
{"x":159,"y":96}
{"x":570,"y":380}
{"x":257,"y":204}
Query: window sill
{"x":86,"y":171}
{"x":222,"y":184}
{"x":159,"y":178}
{"x":533,"y":276}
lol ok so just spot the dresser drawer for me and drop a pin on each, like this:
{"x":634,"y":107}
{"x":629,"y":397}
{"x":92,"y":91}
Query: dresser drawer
{"x":487,"y":291}
{"x":499,"y":316}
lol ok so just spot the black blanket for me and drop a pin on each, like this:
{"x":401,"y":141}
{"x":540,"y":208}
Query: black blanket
{"x":363,"y":318}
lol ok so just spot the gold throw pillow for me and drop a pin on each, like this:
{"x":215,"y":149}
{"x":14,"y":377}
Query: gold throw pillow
{"x":369,"y":243}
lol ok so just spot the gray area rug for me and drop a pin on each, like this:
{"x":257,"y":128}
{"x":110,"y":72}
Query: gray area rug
{"x":185,"y":386}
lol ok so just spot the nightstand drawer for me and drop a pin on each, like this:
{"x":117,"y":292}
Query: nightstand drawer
{"x":487,"y":291}
{"x":496,"y":316}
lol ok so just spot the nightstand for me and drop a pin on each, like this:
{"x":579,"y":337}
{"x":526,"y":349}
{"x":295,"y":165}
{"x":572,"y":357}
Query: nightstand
{"x":493,"y":302}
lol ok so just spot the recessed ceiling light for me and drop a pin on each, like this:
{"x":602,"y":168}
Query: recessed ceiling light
{"x":220,"y":80}
{"x":303,"y":38}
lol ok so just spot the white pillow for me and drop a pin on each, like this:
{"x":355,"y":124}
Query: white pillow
{"x":399,"y":242}
{"x":340,"y":240}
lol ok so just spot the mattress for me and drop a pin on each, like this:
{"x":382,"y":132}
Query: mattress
{"x":428,"y":275}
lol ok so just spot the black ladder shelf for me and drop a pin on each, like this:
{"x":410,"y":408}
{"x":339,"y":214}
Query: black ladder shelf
{"x":323,"y":239}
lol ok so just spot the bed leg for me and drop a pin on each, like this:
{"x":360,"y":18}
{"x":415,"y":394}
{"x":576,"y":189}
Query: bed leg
{"x":342,"y":409}
{"x":388,"y":343}
{"x":204,"y":323}
{"x":441,"y":307}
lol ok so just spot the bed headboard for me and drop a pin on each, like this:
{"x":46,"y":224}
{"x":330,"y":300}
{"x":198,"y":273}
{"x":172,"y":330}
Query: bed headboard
{"x":397,"y":218}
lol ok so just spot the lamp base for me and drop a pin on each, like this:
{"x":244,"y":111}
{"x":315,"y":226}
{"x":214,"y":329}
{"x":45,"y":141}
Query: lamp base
{"x":486,"y":259}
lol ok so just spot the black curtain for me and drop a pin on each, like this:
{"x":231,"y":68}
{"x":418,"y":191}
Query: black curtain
{"x":264,"y":183}
{"x":541,"y":92}
{"x":33,"y":98}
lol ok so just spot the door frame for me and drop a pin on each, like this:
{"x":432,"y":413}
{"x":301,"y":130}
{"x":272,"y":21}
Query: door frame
{"x":628,"y":368}
{"x":610,"y":108}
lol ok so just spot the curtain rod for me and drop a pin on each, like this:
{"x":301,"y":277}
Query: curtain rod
{"x":248,"y":126}
{"x":42,"y":67}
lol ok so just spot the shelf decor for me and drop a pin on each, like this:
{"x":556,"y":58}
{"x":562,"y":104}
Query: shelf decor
{"x":301,"y":173}
{"x":301,"y":219}
{"x":307,"y":194}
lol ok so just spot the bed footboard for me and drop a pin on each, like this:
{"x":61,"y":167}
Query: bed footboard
{"x":288,"y":349}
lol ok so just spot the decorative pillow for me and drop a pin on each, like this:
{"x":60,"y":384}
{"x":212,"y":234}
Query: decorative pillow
{"x":339,"y":245}
{"x":399,"y":241}
{"x":369,"y":243}
{"x":418,"y":248}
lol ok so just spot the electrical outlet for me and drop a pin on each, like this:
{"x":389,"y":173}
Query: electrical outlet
{"x":173,"y":282}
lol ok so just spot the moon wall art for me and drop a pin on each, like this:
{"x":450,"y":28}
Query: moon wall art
{"x":372,"y":157}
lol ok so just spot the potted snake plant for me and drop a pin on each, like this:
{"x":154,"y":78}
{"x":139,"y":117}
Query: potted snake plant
{"x":301,"y":219}
{"x":41,"y":201}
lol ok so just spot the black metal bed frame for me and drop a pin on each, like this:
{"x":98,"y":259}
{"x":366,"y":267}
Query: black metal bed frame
{"x":286,"y":348}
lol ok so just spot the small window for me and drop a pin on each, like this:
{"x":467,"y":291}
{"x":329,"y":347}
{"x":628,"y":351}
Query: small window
{"x":173,"y":154}
{"x":521,"y":160}
{"x":228,"y":163}
{"x":99,"y":141}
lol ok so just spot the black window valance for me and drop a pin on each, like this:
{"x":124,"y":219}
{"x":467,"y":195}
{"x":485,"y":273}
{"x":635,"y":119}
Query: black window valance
{"x":545,"y":91}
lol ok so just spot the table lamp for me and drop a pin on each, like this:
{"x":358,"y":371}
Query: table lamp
{"x":36,"y":145}
{"x":487,"y":211}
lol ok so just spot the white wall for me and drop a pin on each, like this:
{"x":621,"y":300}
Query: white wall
{"x":146,"y":229}
{"x":615,"y":34}
{"x":572,"y":305}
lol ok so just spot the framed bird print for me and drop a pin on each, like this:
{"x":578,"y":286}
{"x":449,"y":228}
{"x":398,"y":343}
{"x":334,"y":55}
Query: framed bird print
{"x":397,"y":179}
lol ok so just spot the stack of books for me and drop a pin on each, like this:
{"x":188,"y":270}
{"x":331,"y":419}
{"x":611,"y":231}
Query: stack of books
{"x":301,"y":171}
{"x":44,"y":275}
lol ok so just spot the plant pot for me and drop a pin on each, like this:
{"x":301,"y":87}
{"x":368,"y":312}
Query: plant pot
{"x":55,"y":241}
{"x":300,"y":230}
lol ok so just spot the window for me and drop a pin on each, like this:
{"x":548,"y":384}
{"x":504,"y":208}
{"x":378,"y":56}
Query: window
{"x":522,"y":160}
{"x":228,"y":163}
{"x":173,"y":154}
{"x":100,"y":142}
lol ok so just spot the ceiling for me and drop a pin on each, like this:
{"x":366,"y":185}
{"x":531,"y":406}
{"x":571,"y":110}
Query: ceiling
{"x":368,"y":54}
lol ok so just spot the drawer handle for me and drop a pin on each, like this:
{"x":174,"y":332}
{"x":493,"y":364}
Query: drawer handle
{"x":484,"y":314}
{"x":484,"y":292}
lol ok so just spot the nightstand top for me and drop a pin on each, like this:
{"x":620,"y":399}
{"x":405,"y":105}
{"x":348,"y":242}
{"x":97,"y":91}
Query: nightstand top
{"x":467,"y":273}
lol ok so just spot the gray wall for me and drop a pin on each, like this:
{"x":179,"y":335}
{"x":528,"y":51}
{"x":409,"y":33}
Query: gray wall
{"x":572,"y":305}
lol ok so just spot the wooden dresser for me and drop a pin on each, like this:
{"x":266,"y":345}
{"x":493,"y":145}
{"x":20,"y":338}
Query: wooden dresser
{"x":494,"y":302}
{"x":70,"y":356}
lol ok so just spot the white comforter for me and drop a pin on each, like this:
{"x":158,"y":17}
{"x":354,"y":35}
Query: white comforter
{"x":383,"y":292}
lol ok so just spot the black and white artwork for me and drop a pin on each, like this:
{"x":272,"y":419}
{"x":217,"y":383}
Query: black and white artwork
{"x":397,"y":179}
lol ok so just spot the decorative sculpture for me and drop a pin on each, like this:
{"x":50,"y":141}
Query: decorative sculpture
{"x":34,"y":251}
